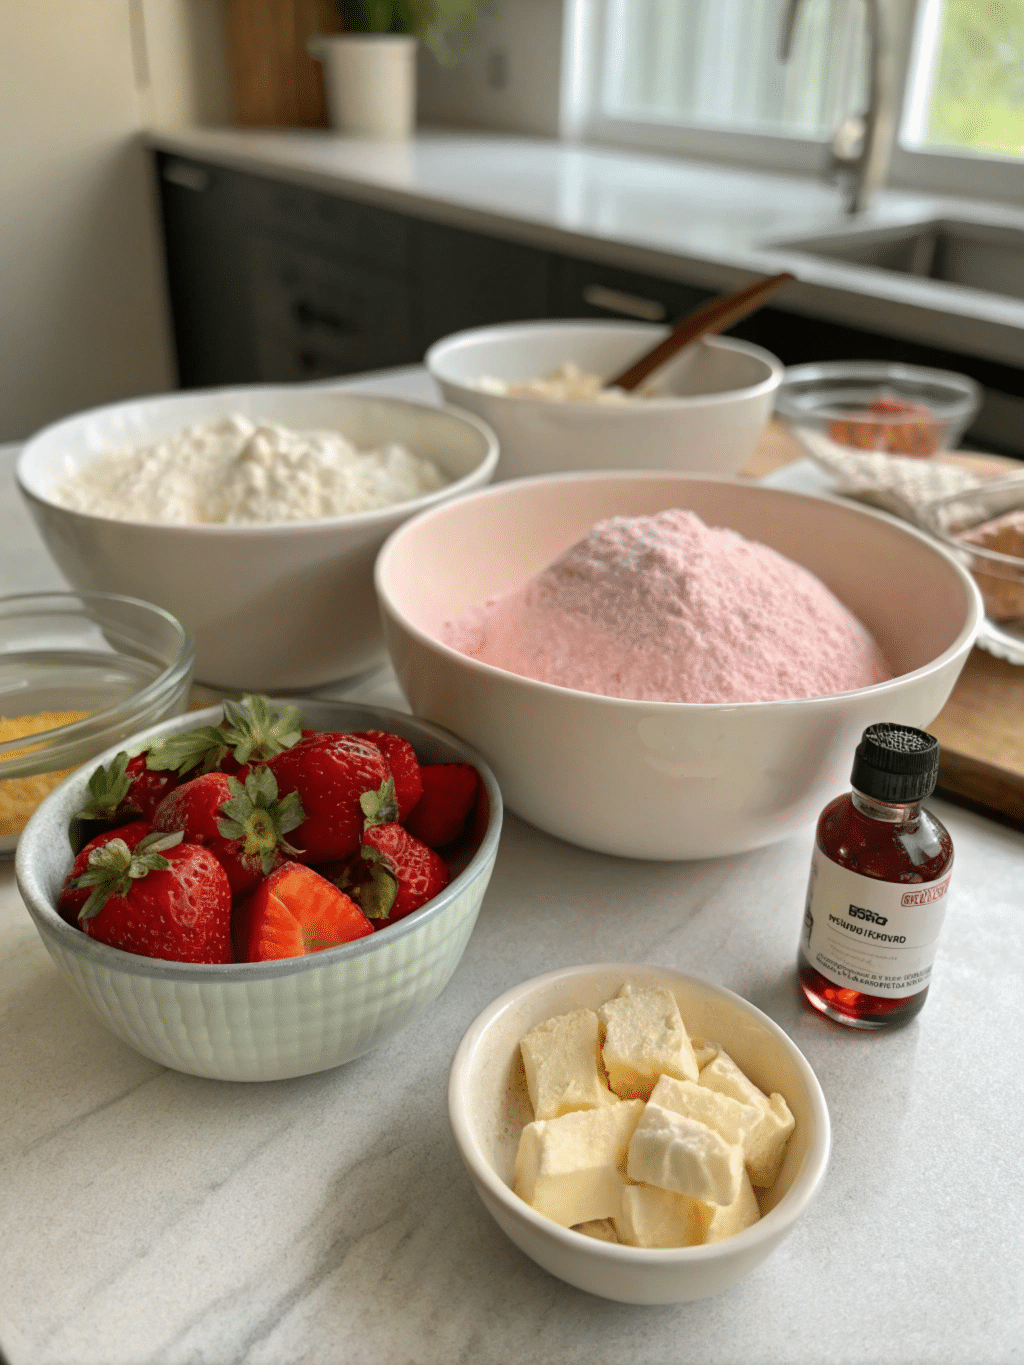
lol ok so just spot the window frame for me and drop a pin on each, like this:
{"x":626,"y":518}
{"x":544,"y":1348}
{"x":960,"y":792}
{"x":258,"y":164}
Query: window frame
{"x":943,"y":172}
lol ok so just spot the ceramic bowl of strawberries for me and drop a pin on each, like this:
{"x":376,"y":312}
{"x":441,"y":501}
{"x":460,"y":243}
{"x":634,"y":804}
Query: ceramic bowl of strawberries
{"x":259,"y":891}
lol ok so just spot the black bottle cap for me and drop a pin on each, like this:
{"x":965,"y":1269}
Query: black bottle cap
{"x":896,"y":763}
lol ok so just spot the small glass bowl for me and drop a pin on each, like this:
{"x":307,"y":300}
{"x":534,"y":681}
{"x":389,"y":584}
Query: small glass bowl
{"x":878,"y":406}
{"x":87,"y":670}
{"x":999,"y":576}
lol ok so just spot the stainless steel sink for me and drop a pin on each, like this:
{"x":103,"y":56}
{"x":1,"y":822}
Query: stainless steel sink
{"x":978,"y":255}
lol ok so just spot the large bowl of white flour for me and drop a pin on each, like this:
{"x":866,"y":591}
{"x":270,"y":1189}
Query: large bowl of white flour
{"x":254,"y":515}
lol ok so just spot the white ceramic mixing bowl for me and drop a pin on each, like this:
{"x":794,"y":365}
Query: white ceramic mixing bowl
{"x":263,"y":1021}
{"x":487,"y":1111}
{"x":668,"y":779}
{"x":271,"y":607}
{"x":720,"y":396}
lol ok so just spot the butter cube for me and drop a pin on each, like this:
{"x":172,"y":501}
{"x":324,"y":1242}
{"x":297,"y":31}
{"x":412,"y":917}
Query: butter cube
{"x":742,"y":1213}
{"x":678,"y":1153}
{"x":703,"y":1051}
{"x":561,"y":1058}
{"x":568,"y":1168}
{"x":644,"y":1038}
{"x":728,"y":1117}
{"x":659,"y":1218}
{"x":765,"y":1146}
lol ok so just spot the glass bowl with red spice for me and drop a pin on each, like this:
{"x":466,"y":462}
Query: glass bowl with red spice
{"x":876,"y":407}
{"x":79,"y":672}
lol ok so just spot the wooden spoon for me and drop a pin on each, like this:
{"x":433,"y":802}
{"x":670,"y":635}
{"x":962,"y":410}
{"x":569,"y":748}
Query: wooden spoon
{"x":710,"y":317}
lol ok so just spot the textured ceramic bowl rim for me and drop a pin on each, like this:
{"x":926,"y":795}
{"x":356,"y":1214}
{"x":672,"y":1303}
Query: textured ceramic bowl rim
{"x":378,"y":516}
{"x":967,"y":633}
{"x":170,"y":677}
{"x":785,"y":1213}
{"x":962,"y":404}
{"x":438,"y":353}
{"x":38,"y":834}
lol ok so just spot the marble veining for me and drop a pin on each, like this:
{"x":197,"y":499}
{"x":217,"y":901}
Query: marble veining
{"x":153,"y":1218}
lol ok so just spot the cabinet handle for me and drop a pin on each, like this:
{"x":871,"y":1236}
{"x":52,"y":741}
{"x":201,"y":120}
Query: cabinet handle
{"x":188,"y":177}
{"x":629,"y":305}
{"x":309,"y":315}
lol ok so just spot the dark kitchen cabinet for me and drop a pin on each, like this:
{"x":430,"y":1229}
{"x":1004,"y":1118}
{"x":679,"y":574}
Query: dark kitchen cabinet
{"x":276,"y":282}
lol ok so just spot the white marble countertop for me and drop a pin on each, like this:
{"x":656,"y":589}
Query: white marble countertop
{"x":152,"y":1218}
{"x":689,"y":220}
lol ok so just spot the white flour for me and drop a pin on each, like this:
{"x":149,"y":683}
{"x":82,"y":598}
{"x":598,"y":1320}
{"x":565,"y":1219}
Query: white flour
{"x":239,"y":472}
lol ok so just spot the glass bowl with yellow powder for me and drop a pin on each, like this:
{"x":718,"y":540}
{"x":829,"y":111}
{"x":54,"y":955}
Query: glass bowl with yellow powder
{"x":78,"y":673}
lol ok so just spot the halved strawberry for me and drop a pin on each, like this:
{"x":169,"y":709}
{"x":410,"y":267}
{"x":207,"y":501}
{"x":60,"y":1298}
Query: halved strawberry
{"x":449,"y":792}
{"x":124,"y":790}
{"x":243,"y":826}
{"x":330,"y":774}
{"x":163,"y":898}
{"x":404,"y":874}
{"x":405,"y":767}
{"x":295,"y":911}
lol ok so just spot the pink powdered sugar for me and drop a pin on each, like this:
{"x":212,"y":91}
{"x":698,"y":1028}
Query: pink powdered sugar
{"x":664,"y":608}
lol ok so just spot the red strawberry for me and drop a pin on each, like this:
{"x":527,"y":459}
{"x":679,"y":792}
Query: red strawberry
{"x":330,"y":774}
{"x":72,"y":898}
{"x":405,"y":767}
{"x":125,"y":790}
{"x":242,"y":826}
{"x":449,"y":792}
{"x":295,"y":911}
{"x":163,"y":898}
{"x":404,"y":874}
{"x":249,"y":732}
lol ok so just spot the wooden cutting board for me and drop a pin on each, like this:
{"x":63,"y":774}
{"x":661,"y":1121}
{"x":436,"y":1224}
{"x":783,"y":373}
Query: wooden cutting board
{"x":981,"y":727}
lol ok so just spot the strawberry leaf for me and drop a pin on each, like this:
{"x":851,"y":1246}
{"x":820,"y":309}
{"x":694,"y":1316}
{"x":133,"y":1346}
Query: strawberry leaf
{"x":377,"y":896}
{"x":380,"y":807}
{"x":203,"y":748}
{"x":114,"y":866}
{"x":108,"y":787}
{"x":253,"y":733}
{"x":254,"y":815}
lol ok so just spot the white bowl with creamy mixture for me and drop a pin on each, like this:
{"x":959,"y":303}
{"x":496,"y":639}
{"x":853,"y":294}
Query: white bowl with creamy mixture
{"x":650,"y":778}
{"x":538,"y":385}
{"x":268,"y":559}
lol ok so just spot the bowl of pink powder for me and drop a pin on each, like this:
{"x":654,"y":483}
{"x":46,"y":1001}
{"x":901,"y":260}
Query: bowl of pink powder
{"x":664,"y":665}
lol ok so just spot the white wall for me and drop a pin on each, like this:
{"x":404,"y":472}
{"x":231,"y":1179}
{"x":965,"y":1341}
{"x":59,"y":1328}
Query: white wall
{"x":510,"y":78}
{"x":82,"y":311}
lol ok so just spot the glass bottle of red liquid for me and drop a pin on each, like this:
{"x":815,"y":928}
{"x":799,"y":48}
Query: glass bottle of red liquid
{"x":877,"y":894}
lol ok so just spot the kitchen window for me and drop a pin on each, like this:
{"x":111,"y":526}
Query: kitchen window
{"x":705,"y":78}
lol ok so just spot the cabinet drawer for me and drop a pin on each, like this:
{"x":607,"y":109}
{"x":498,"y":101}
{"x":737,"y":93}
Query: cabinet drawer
{"x":315,"y":317}
{"x":336,"y":227}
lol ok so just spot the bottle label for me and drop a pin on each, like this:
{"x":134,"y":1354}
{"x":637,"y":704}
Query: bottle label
{"x":872,"y":936}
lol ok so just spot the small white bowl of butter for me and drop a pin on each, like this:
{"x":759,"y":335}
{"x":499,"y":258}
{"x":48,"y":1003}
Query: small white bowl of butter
{"x":492,"y":1115}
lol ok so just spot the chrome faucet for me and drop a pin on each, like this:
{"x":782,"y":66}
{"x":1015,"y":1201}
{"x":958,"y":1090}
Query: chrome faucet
{"x":862,"y":144}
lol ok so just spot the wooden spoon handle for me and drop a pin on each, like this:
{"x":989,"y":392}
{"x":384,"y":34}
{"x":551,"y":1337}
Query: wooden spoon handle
{"x":710,"y":317}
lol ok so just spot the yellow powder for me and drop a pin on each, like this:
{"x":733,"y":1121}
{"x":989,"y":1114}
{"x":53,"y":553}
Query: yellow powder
{"x":19,"y":796}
